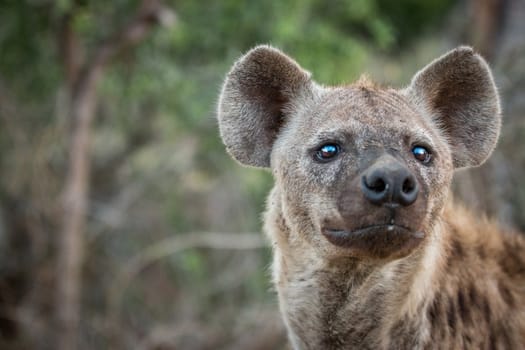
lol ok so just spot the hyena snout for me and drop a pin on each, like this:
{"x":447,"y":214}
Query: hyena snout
{"x":389,"y":183}
{"x":380,"y":212}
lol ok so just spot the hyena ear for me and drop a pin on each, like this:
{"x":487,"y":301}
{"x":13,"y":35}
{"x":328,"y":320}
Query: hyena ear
{"x":457,"y":91}
{"x":257,"y":97}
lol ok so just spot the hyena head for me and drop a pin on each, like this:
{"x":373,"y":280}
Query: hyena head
{"x":361,"y":170}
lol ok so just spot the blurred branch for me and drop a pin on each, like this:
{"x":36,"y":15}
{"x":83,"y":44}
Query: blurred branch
{"x":70,"y":48}
{"x":82,"y":104}
{"x":234,"y":275}
{"x":8,"y":109}
{"x":170,"y":246}
{"x":114,"y":213}
{"x":174,"y":337}
{"x":486,"y":25}
{"x":150,"y":14}
{"x":260,"y":328}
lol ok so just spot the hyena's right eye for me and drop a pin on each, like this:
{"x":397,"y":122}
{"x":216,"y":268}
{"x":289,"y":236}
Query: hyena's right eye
{"x":327,"y":152}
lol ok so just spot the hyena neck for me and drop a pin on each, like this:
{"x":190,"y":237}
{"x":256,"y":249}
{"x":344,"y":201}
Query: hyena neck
{"x":346,"y":302}
{"x":410,"y":302}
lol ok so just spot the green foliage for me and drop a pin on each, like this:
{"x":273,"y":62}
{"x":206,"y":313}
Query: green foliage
{"x":406,"y":20}
{"x":28,"y":58}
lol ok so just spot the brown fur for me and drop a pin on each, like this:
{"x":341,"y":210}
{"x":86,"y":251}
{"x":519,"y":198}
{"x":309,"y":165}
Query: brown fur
{"x":425,"y":275}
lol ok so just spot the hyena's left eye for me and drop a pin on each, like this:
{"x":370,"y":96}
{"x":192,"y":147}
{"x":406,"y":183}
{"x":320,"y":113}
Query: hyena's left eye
{"x":327,"y":152}
{"x":422,"y":154}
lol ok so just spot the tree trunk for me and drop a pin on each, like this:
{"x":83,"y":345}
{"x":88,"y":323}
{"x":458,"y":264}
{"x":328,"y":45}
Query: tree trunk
{"x":75,"y":202}
{"x":82,"y":86}
{"x":496,"y":187}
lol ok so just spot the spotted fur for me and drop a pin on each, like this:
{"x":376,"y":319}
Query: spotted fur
{"x":441,"y":278}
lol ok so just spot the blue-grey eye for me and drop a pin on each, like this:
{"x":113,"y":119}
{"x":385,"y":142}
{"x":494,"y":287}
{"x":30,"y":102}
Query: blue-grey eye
{"x":327,"y":152}
{"x":422,"y":154}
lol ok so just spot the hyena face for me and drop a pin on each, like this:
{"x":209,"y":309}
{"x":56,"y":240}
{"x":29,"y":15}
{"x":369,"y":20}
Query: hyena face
{"x":361,"y":170}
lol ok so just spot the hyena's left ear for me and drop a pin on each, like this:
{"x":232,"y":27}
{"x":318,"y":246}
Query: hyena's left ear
{"x":457,"y":92}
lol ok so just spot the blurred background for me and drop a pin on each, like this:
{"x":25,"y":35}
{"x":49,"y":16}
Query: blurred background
{"x":123,"y":222}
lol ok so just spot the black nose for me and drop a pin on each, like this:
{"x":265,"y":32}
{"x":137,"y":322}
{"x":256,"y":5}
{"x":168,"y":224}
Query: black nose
{"x":389,"y":183}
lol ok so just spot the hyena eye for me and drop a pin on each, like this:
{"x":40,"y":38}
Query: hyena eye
{"x":327,"y":152}
{"x":422,"y":154}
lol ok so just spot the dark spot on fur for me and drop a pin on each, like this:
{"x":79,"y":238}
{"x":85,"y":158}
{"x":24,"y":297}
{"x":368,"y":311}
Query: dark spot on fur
{"x":481,"y":252}
{"x":473,"y":295}
{"x":457,"y":250}
{"x":467,"y":339}
{"x":506,"y":294}
{"x":280,"y":221}
{"x":398,"y":335}
{"x":451,"y":316}
{"x":505,"y":338}
{"x":492,"y":341}
{"x":486,"y":309}
{"x":464,"y":310}
{"x":433,"y":310}
{"x":512,"y":263}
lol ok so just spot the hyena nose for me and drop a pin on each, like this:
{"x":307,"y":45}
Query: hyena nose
{"x":389,"y":184}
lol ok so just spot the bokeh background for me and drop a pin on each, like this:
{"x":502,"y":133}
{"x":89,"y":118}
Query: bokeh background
{"x":123,"y":222}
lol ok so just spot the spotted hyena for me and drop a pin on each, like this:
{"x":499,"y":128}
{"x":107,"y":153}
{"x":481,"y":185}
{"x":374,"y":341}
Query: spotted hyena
{"x":369,"y":250}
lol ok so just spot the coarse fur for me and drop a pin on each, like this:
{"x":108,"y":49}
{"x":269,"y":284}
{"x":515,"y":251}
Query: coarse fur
{"x":352,"y":273}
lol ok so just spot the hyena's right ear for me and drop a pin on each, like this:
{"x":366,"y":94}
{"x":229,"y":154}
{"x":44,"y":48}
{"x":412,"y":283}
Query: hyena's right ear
{"x":257,"y":97}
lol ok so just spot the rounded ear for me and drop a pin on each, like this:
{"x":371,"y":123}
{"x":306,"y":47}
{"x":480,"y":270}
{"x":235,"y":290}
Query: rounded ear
{"x":457,"y":91}
{"x":256,"y":98}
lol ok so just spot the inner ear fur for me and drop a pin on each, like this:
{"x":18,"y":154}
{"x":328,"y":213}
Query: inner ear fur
{"x":458,"y":92}
{"x":255,"y":101}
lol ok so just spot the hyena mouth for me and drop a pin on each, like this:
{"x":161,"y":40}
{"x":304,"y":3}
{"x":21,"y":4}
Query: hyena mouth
{"x":376,"y":240}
